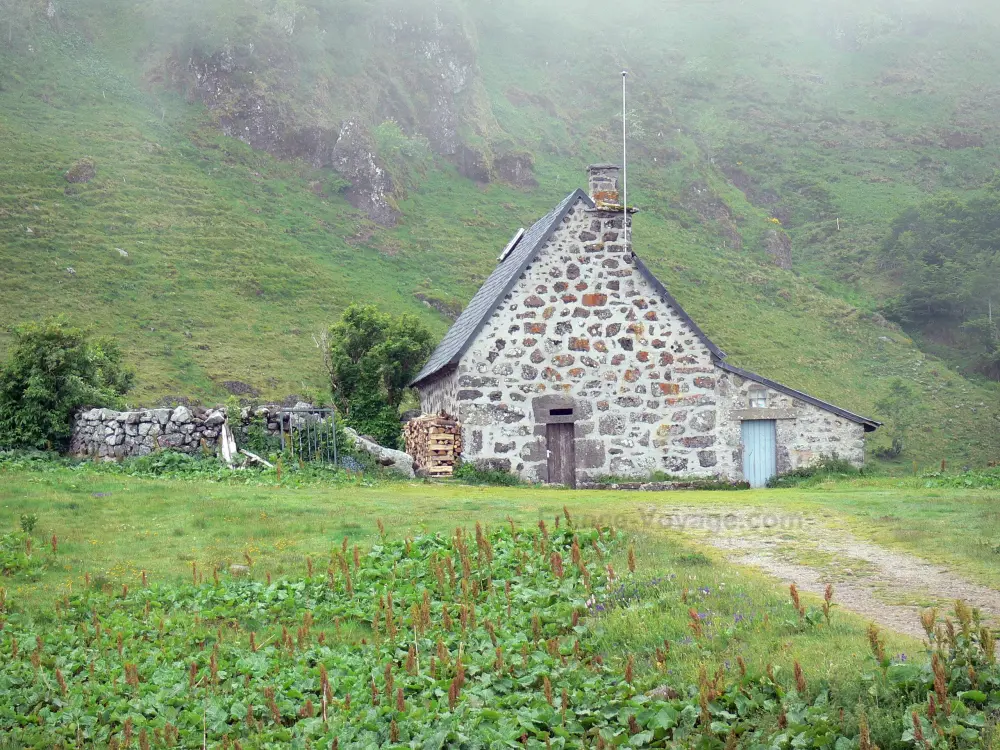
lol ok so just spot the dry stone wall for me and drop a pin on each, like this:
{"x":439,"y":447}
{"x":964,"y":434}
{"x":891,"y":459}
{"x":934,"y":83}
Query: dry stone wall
{"x":110,"y":434}
{"x":105,"y":433}
{"x":584,"y":322}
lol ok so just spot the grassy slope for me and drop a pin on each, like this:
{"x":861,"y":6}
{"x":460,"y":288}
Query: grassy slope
{"x":235,"y":262}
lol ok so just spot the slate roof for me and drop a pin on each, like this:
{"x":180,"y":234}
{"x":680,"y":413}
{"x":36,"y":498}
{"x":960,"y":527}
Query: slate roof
{"x":870,"y":425}
{"x":463,"y":332}
{"x":495,"y":288}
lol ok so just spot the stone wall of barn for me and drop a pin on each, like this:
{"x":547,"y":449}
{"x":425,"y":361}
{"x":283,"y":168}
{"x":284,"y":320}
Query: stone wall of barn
{"x":441,"y":394}
{"x":805,"y":433}
{"x":585,"y":323}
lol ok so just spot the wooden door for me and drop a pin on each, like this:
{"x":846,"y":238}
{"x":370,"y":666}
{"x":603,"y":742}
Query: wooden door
{"x":561,"y":444}
{"x":760,"y":451}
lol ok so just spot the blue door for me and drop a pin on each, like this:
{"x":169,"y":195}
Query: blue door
{"x":759,"y":451}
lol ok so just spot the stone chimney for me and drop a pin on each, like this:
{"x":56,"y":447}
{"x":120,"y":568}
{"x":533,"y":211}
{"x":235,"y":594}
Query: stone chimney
{"x":603,"y":179}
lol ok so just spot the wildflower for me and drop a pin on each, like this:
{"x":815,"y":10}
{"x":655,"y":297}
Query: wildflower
{"x":557,"y":566}
{"x":695,"y":622}
{"x":388,"y":680}
{"x":927,"y":619}
{"x":800,"y":680}
{"x":62,"y":681}
{"x":940,"y":683}
{"x":876,"y":643}
{"x":918,"y":732}
{"x":964,"y":615}
{"x":794,"y":592}
{"x":865,"y":738}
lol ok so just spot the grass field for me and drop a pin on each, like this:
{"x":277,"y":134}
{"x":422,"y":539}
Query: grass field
{"x":114,"y":532}
{"x":116,"y":527}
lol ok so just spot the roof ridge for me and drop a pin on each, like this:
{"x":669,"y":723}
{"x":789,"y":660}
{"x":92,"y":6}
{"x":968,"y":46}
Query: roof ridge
{"x":496,"y":286}
{"x":788,"y":391}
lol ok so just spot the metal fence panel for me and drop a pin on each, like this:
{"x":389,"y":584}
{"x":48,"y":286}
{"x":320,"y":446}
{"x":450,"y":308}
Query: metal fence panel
{"x":309,"y":434}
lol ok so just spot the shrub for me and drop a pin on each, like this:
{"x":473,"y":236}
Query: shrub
{"x":372,"y":357}
{"x":470,"y":473}
{"x":53,"y":370}
{"x":826,"y":467}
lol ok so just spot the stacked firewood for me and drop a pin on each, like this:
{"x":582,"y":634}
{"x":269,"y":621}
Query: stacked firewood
{"x":435,"y":442}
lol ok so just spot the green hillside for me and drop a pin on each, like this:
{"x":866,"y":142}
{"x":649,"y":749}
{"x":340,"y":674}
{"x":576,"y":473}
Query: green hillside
{"x":822,"y":122}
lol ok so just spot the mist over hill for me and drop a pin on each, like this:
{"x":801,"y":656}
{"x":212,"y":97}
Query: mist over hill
{"x":816,"y":179}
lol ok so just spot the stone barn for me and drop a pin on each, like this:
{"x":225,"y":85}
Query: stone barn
{"x":574,"y":362}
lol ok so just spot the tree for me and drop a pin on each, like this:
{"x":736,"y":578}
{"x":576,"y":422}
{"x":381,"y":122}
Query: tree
{"x":945,"y":255}
{"x":898,"y":407}
{"x":52,"y":370}
{"x":372,"y":358}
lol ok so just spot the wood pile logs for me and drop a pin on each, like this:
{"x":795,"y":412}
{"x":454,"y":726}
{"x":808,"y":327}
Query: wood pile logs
{"x":435,"y":442}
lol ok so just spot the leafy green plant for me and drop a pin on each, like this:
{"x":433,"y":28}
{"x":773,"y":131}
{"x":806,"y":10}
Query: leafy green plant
{"x":17,"y":556}
{"x":52,"y":370}
{"x":981,"y":479}
{"x":468,"y":641}
{"x":372,"y":357}
{"x":828,"y":467}
{"x":28,"y":522}
{"x":470,"y":473}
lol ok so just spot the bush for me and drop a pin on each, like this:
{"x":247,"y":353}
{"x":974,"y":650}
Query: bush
{"x":826,"y":467}
{"x":890,"y":453}
{"x":470,"y":473}
{"x":372,"y":357}
{"x":52,"y":371}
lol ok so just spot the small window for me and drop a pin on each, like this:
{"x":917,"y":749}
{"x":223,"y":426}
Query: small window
{"x":511,"y":245}
{"x":560,"y":412}
{"x":758,"y":398}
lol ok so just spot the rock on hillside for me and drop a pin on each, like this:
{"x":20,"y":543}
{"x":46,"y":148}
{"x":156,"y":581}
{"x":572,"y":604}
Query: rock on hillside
{"x":421,"y":72}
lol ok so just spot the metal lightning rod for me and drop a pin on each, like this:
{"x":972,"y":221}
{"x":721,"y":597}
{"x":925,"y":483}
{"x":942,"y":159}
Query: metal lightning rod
{"x":625,"y":157}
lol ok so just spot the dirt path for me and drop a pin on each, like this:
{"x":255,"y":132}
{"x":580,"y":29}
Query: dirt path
{"x":883,"y":585}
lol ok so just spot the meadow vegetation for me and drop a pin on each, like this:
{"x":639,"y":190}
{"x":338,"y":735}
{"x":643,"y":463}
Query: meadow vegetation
{"x":166,"y":608}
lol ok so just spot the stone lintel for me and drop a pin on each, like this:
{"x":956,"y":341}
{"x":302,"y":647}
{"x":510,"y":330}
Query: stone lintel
{"x":744,"y":415}
{"x":555,"y":409}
